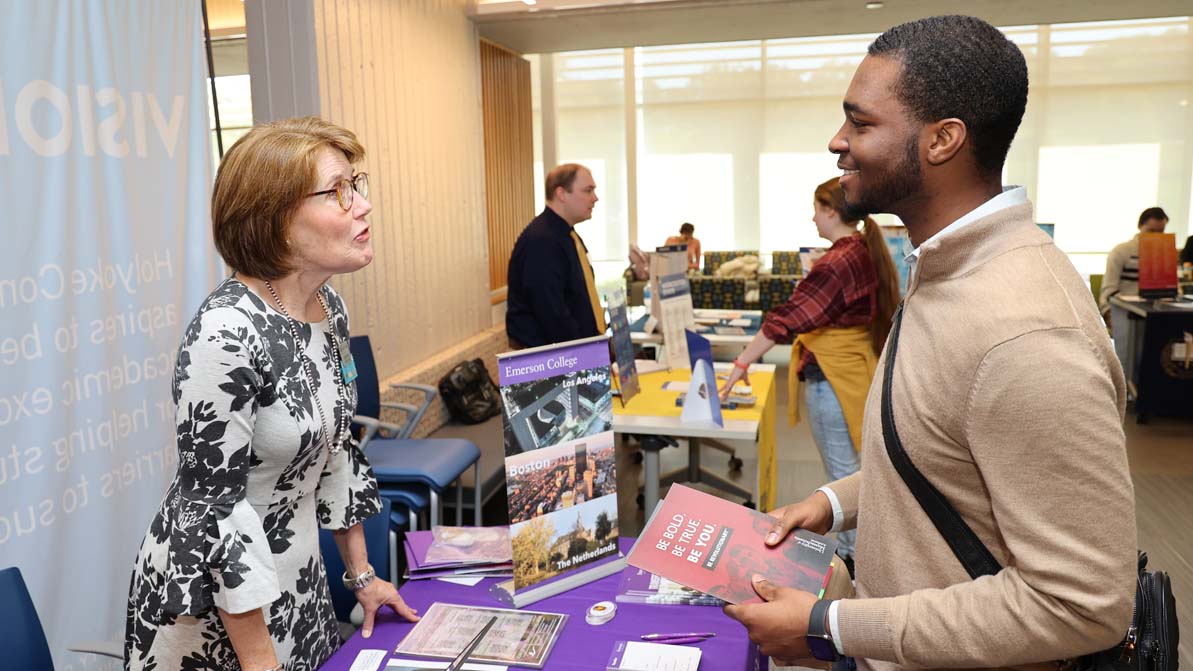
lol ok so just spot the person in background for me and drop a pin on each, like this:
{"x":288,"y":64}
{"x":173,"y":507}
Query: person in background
{"x":1122,"y":265}
{"x":552,"y":288}
{"x":230,"y":575}
{"x":1005,"y":394}
{"x":685,"y":238}
{"x":839,"y":317}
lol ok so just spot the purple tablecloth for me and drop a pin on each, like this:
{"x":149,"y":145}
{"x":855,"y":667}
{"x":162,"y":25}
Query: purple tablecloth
{"x":581,"y":646}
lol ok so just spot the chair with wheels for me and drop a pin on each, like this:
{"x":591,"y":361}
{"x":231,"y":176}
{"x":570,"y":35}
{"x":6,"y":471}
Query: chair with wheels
{"x":399,"y":460}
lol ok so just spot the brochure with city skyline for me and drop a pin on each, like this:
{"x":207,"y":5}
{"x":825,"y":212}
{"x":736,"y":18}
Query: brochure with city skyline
{"x":561,"y":481}
{"x":716,"y":546}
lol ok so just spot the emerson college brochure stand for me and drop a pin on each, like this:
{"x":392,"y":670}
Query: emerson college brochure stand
{"x":559,"y":462}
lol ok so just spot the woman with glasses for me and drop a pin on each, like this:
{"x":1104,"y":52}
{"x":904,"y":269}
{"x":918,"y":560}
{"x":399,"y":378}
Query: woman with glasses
{"x":229,"y":574}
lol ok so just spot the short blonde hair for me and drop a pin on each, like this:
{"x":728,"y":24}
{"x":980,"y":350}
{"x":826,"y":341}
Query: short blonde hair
{"x":261,"y":183}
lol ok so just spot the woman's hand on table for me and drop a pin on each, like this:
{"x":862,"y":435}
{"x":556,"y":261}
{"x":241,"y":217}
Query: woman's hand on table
{"x":735,"y":374}
{"x":380,"y":593}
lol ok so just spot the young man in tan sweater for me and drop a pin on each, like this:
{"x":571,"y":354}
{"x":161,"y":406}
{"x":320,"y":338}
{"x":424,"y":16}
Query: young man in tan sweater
{"x":1006,"y":393}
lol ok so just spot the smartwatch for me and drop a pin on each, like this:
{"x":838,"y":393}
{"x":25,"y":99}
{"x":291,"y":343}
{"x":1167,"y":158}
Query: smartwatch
{"x":820,"y":640}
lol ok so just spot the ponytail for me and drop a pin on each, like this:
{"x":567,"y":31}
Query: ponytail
{"x":886,"y":299}
{"x":887,"y":296}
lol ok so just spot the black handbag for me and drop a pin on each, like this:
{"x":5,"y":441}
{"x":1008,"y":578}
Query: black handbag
{"x":1151,"y":640}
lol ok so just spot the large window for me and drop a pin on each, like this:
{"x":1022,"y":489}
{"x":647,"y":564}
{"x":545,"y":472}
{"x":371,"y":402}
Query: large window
{"x":698,"y":142}
{"x":733,"y":137}
{"x":231,"y":60}
{"x":589,"y":96}
{"x":1115,"y":131}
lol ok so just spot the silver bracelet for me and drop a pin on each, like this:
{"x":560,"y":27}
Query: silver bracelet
{"x":359,"y":582}
{"x":279,"y":667}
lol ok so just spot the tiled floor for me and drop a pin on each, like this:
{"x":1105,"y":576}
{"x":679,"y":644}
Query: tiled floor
{"x":1161,"y":456}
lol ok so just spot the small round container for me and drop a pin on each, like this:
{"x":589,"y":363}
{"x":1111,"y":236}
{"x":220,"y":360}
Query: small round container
{"x":600,"y":613}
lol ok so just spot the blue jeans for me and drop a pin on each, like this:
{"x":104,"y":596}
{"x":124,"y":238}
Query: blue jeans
{"x":831,"y":434}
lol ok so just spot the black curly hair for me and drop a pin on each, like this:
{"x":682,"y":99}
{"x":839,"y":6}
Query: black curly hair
{"x":961,"y":67}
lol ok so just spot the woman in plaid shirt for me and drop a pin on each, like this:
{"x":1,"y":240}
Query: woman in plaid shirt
{"x":837,"y":320}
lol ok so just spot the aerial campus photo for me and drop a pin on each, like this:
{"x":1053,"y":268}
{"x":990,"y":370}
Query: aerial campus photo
{"x":557,"y":409}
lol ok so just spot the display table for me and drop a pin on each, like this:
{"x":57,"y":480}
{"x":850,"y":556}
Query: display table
{"x":653,"y":412}
{"x":735,"y":342}
{"x":1146,"y":333}
{"x":581,"y":646}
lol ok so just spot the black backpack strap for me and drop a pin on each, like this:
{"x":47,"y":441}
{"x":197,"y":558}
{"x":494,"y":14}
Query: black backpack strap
{"x":966,"y":545}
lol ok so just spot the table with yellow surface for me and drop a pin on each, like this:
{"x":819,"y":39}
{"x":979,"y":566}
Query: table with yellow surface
{"x":653,"y":412}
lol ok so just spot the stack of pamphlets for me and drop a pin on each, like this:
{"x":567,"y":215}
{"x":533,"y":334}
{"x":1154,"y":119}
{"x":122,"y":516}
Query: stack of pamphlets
{"x":640,"y":586}
{"x":444,"y":552}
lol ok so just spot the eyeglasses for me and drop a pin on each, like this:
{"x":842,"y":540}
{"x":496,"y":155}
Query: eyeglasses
{"x":347,"y":188}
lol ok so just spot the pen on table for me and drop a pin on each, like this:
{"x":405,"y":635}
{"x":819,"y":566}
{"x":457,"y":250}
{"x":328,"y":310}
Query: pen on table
{"x":689,"y":634}
{"x":680,"y":641}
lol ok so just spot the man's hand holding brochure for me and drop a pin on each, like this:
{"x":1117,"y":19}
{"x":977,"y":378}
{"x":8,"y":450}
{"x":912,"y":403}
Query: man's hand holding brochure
{"x":749,"y":559}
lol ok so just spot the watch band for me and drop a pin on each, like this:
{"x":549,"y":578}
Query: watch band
{"x":816,"y":619}
{"x":820,"y":639}
{"x":361,"y":581}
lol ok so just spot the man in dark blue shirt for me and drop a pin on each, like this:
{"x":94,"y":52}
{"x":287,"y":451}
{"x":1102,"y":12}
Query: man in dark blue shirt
{"x":552,"y":294}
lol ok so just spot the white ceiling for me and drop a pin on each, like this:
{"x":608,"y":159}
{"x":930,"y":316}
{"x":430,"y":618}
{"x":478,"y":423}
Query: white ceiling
{"x":490,"y":7}
{"x":576,"y":25}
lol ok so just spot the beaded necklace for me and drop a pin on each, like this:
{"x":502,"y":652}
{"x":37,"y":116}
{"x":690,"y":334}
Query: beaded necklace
{"x":341,"y":434}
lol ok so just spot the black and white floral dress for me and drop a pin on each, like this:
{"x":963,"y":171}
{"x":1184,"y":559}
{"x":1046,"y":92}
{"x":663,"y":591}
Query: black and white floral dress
{"x":238,"y":526}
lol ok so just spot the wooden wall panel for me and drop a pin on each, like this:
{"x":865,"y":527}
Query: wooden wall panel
{"x":405,"y":76}
{"x":509,"y":154}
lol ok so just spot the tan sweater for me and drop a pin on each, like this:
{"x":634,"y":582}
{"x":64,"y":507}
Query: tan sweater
{"x":1009,"y":398}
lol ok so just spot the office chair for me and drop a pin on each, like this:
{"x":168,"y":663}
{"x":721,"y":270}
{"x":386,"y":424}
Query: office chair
{"x":402,"y":461}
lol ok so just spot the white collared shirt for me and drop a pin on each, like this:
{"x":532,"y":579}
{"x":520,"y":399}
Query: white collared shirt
{"x":1010,"y":196}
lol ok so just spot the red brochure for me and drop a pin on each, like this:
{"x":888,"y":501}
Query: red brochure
{"x":716,"y":546}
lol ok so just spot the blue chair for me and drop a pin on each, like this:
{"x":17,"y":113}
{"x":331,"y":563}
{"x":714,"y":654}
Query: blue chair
{"x":407,"y":501}
{"x":21,"y":637}
{"x":377,"y":529}
{"x":400,"y":461}
{"x":412,"y":499}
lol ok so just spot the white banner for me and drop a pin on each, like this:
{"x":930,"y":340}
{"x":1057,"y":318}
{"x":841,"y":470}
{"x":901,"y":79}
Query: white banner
{"x":105,"y":181}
